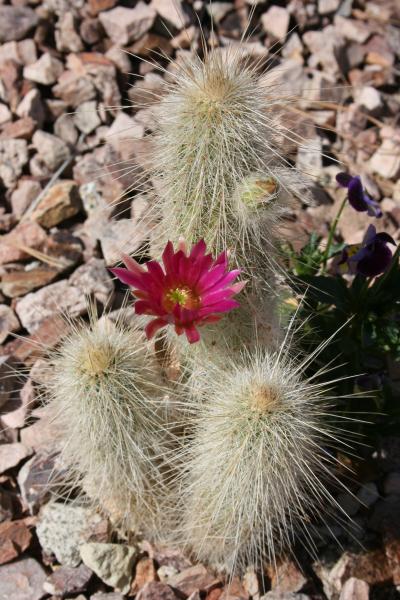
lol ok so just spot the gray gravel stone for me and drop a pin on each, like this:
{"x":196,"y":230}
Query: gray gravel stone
{"x":62,"y":528}
{"x":124,"y":25}
{"x":46,"y":70}
{"x":368,"y":494}
{"x":355,"y":589}
{"x":391,"y":485}
{"x":16,"y":22}
{"x":51,"y":149}
{"x":8,"y":322}
{"x":11,"y":455}
{"x":68,"y":580}
{"x":36,"y":307}
{"x":113,"y":563}
{"x":273,"y":595}
{"x":13,"y":156}
{"x":22,"y":580}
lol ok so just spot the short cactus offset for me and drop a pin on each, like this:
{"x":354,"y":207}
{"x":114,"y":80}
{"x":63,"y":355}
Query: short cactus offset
{"x":106,"y":399}
{"x":256,"y":468}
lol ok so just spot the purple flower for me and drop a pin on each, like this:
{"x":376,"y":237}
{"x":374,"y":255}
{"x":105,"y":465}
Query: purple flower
{"x":370,"y":258}
{"x":357,"y":196}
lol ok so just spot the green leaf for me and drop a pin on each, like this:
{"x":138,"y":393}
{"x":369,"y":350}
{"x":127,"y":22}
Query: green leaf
{"x":326,"y":290}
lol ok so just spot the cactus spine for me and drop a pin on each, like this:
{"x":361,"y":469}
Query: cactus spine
{"x":106,"y":399}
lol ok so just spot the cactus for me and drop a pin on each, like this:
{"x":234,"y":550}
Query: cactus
{"x":252,"y":466}
{"x":256,"y":468}
{"x":217,"y":161}
{"x":106,"y":402}
{"x":253,"y":324}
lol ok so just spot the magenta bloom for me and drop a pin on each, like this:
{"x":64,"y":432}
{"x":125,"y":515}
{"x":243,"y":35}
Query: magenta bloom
{"x":191,"y":290}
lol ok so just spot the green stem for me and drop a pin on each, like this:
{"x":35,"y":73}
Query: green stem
{"x":332,"y":232}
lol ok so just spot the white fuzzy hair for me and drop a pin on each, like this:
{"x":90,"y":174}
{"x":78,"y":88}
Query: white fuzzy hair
{"x":106,"y":401}
{"x":256,"y":471}
{"x":219,"y":133}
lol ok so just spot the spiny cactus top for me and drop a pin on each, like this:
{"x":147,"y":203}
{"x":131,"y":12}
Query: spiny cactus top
{"x":191,"y":290}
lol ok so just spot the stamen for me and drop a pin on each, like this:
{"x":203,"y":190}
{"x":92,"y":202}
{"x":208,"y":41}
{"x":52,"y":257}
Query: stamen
{"x":183,"y":296}
{"x":178,"y":296}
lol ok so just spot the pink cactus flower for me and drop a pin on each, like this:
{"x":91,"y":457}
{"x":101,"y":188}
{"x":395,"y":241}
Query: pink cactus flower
{"x":192,"y":289}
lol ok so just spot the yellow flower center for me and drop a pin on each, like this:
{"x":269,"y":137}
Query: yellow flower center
{"x":178,"y":296}
{"x":352,"y":250}
{"x":183,"y":296}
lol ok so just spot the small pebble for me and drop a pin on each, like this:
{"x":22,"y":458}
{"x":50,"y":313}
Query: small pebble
{"x":368,"y":494}
{"x":391,"y":485}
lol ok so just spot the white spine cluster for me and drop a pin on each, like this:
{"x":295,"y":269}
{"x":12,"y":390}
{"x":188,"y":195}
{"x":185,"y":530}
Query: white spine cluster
{"x":218,"y":158}
{"x":106,"y":402}
{"x":256,"y":468}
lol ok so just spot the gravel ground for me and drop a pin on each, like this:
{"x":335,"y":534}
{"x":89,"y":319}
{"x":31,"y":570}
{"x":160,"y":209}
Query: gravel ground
{"x":63,"y":72}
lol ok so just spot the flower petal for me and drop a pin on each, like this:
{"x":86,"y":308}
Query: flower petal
{"x":370,"y":235}
{"x":154,"y":325}
{"x":377,"y":262}
{"x":210,"y":278}
{"x":223,"y":281}
{"x":127,"y":277}
{"x":198,"y":267}
{"x":168,"y":256}
{"x":198,"y":250}
{"x":192,"y":334}
{"x":132,"y":265}
{"x":182,"y":245}
{"x":179,"y":329}
{"x":237,"y":287}
{"x":211,"y":318}
{"x":156,"y":271}
{"x":144,"y":307}
{"x":385,"y":237}
{"x":373,"y":209}
{"x":222,"y":259}
{"x":356,"y":195}
{"x":361,"y":253}
{"x":343,"y":179}
{"x":141,"y":294}
{"x":220,"y":307}
{"x":213,"y":298}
